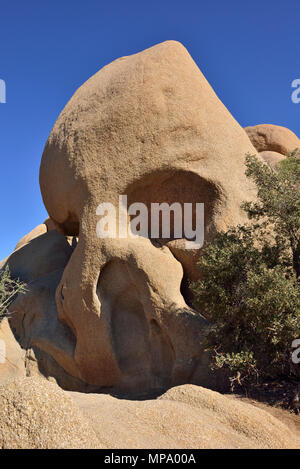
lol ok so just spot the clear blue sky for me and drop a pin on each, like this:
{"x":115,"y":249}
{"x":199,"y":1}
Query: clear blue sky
{"x":248,"y":51}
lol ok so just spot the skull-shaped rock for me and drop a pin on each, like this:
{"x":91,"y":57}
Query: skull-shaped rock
{"x":148,"y":126}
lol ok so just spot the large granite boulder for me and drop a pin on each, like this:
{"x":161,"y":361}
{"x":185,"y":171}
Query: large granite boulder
{"x":148,"y":126}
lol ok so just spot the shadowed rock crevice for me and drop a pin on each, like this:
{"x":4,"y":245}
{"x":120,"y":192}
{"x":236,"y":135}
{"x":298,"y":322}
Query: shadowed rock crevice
{"x":69,"y":227}
{"x":173,"y":187}
{"x":177,"y":186}
{"x":143,"y":351}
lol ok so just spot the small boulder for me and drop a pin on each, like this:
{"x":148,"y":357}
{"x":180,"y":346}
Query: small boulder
{"x":37,"y":231}
{"x":272,"y":158}
{"x":37,"y":414}
{"x":268,"y":137}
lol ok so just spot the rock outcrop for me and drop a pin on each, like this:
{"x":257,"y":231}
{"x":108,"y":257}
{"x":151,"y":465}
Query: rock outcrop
{"x":272,"y":158}
{"x":184,"y":417}
{"x":148,"y":126}
{"x":12,"y":355}
{"x":110,"y":313}
{"x":48,"y":344}
{"x":43,"y":344}
{"x":37,"y":414}
{"x":268,"y":137}
{"x":37,"y":231}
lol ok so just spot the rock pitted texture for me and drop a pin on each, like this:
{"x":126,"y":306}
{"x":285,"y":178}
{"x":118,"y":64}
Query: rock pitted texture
{"x":36,"y":414}
{"x":151,"y":127}
{"x":256,"y":427}
{"x":185,"y":417}
{"x":268,"y":137}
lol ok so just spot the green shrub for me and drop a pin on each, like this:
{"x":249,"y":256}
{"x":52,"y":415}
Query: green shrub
{"x":249,"y":287}
{"x":9,"y":288}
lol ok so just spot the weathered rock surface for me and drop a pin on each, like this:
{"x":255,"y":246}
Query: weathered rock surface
{"x":50,"y":343}
{"x":109,"y":313}
{"x":36,"y":341}
{"x":268,"y":137}
{"x":12,"y":355}
{"x":272,"y":158}
{"x":37,"y":231}
{"x":148,"y":126}
{"x":42,"y":255}
{"x":185,"y":417}
{"x":37,"y":414}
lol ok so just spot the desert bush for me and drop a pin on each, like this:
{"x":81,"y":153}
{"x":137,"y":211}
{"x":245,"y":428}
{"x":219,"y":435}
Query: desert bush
{"x":249,"y":286}
{"x":9,"y":288}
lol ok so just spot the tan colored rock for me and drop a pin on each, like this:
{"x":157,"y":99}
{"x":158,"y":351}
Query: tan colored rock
{"x":185,"y":417}
{"x":49,"y":344}
{"x":36,"y":414}
{"x":151,"y":127}
{"x":142,"y":346}
{"x":257,"y":425}
{"x":37,"y":231}
{"x":42,"y":255}
{"x":144,"y":364}
{"x":268,"y":137}
{"x":50,"y":224}
{"x":12,"y":356}
{"x":272,"y":158}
